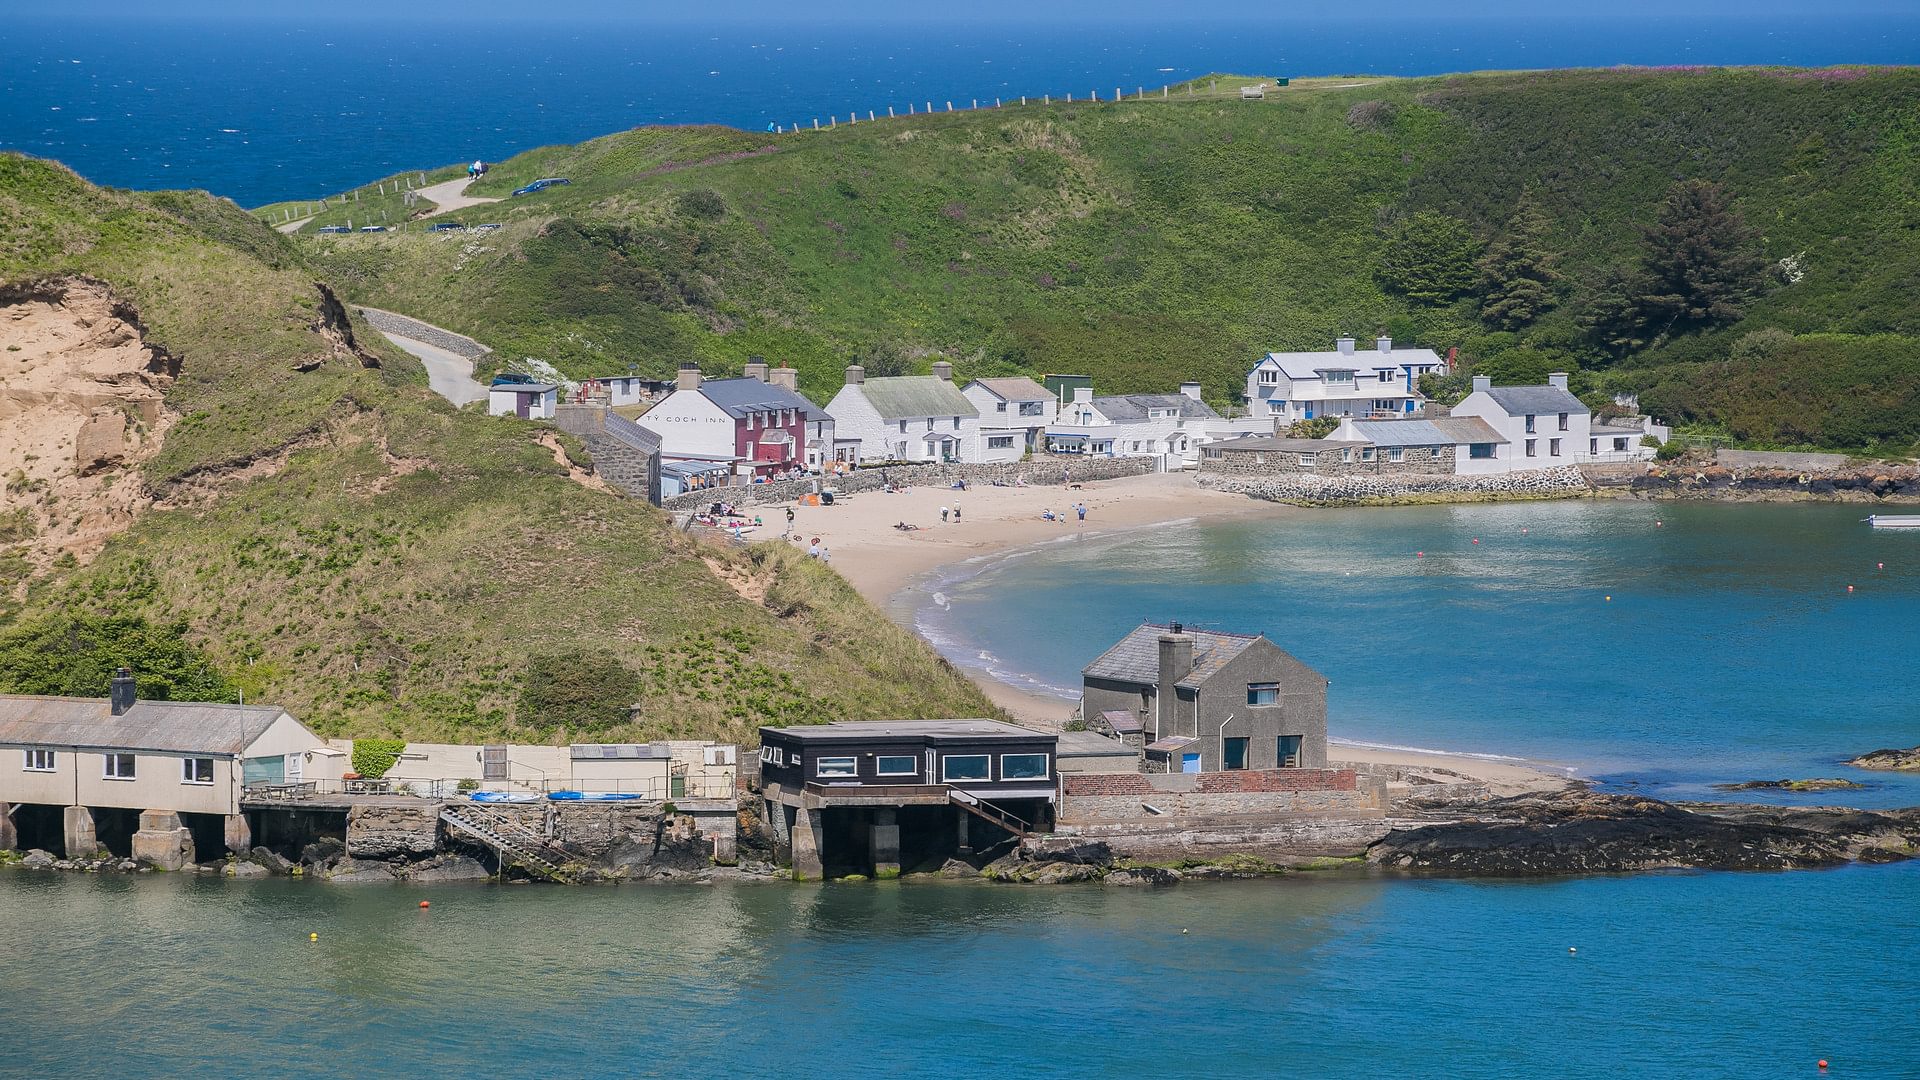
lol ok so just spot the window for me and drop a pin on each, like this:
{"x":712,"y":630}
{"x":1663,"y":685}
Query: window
{"x":1263,"y":693}
{"x":196,"y":770}
{"x":1366,"y":453}
{"x":1480,"y":450}
{"x":836,"y":766}
{"x":1563,"y":421}
{"x":1289,"y":752}
{"x":38,"y":761}
{"x":1619,"y":444}
{"x":1269,"y":377}
{"x":999,"y":442}
{"x":903,"y":427}
{"x":930,"y":424}
{"x":1593,"y":446}
{"x":1529,"y":423}
{"x":1553,"y":447}
{"x":999,"y":406}
{"x":1307,"y":461}
{"x":1346,"y":455}
{"x":1276,"y":406}
{"x":1533,"y":447}
{"x":1385,"y":375}
{"x":1337,"y":378}
{"x":119,"y":766}
{"x":956,"y":423}
{"x":1023,"y":766}
{"x":1033,"y":408}
{"x":897,"y":765}
{"x":1397,"y":454}
{"x":1236,"y":753}
{"x":965,"y":767}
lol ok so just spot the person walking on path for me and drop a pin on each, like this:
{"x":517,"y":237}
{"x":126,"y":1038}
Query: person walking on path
{"x":789,"y":531}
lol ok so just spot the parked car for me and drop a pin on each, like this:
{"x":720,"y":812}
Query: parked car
{"x":445,"y":226}
{"x":333,"y":229}
{"x":511,"y":378}
{"x":373,"y":228}
{"x":486,"y":228}
{"x":542,"y":185}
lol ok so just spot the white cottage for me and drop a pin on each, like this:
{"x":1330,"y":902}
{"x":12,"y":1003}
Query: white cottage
{"x":1171,"y":427}
{"x":906,"y":417}
{"x":1542,"y":426}
{"x":528,"y":401}
{"x":1341,"y":382}
{"x":1014,"y":415}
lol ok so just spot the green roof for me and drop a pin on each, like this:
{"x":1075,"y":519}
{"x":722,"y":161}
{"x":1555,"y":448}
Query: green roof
{"x":900,"y":396}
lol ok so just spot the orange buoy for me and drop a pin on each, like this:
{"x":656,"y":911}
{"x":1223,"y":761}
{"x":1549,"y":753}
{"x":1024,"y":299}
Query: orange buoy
{"x":423,"y":903}
{"x":1823,"y":1063}
{"x":1849,"y":588}
{"x":1419,"y":554}
{"x":1879,"y":566}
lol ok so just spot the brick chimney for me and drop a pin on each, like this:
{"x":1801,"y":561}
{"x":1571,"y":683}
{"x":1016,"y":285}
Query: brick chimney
{"x":756,"y":369}
{"x":943,"y":371}
{"x":1344,"y":345}
{"x":856,"y":374}
{"x":122,"y":692}
{"x":689,"y":377}
{"x":1558,"y":378}
{"x":785,"y":376}
{"x":1176,"y":663}
{"x":1482,"y":382}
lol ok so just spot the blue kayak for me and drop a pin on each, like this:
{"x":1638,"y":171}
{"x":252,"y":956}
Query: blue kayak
{"x":503,"y":796}
{"x":589,"y":796}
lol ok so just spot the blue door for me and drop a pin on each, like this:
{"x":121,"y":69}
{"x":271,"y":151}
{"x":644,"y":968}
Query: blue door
{"x":1189,"y":762}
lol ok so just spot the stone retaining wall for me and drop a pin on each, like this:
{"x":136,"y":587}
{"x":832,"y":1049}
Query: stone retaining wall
{"x":1222,"y":459}
{"x":1042,"y":471}
{"x":388,"y":322}
{"x":1563,"y":482}
{"x":1771,"y":459}
{"x":1325,"y":837}
{"x":1114,"y":797}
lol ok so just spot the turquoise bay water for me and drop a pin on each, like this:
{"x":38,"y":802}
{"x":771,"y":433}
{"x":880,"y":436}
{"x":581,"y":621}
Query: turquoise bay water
{"x":1730,"y":649}
{"x":1694,"y":975}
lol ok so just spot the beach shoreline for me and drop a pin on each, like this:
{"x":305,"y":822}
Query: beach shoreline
{"x":894,"y":568}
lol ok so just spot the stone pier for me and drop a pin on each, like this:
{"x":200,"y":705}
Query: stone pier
{"x":162,"y":842}
{"x":239,"y":834}
{"x":886,"y":843}
{"x":77,"y":832}
{"x":807,"y":864}
{"x":9,"y":836}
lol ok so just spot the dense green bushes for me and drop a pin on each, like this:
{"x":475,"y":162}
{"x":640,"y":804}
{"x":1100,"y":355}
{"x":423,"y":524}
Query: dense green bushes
{"x":76,"y":654}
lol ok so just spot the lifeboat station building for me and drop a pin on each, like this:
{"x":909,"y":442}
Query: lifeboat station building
{"x":156,"y":781}
{"x":872,"y":796}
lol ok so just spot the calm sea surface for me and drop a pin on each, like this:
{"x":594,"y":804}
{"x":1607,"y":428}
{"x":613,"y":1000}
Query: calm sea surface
{"x":1678,"y":975}
{"x":1659,"y":647}
{"x":296,"y":106}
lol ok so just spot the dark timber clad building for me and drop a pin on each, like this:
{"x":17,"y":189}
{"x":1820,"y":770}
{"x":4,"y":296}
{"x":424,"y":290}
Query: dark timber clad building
{"x":855,"y":796}
{"x":1207,"y":701}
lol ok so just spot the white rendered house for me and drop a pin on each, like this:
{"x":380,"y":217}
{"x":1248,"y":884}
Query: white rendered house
{"x":1341,"y":382}
{"x":1544,"y":426}
{"x":1171,"y":427}
{"x":1014,"y":415}
{"x":528,"y":401}
{"x":906,"y":417}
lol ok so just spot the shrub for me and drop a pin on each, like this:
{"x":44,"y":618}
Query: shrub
{"x":1671,"y":449}
{"x":373,"y":757}
{"x":1317,"y":428}
{"x":466,"y":785}
{"x":702,"y":203}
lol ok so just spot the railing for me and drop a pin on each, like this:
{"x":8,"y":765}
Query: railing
{"x":655,"y":789}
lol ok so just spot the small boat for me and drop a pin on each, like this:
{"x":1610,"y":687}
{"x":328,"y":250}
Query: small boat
{"x":590,"y":796}
{"x":1900,"y":521}
{"x":503,"y":796}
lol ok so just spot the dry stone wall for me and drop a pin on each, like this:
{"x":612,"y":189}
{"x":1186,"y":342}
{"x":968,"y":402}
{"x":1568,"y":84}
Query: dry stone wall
{"x":1043,"y":470}
{"x":1563,"y":482}
{"x":388,"y":322}
{"x":1113,"y":797}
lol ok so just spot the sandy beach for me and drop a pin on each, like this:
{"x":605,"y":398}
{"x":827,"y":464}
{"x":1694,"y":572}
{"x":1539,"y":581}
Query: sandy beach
{"x":882,"y":561}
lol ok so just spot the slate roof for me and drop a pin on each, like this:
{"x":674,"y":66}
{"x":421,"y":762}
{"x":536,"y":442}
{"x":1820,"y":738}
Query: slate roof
{"x":1308,"y":365}
{"x":868,"y":729}
{"x":177,"y":727}
{"x":1444,"y":431}
{"x":624,"y":430}
{"x":738,"y":397}
{"x":1123,"y":721}
{"x":898,"y":397}
{"x":1256,"y":443}
{"x":523,"y":388}
{"x":1537,"y":400}
{"x":1135,"y":406}
{"x":1077,"y":744}
{"x":1017,"y":389}
{"x":1136,"y":657}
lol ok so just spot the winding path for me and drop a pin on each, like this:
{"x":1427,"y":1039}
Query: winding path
{"x":449,"y":196}
{"x":448,"y":373}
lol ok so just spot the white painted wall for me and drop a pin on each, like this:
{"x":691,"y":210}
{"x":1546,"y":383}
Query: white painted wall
{"x":690,"y":425}
{"x":854,"y":417}
{"x":1513,"y":456}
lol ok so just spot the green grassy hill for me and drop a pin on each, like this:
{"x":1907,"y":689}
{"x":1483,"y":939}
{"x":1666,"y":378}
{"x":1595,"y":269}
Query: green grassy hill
{"x":331,"y":536}
{"x":1149,"y":241}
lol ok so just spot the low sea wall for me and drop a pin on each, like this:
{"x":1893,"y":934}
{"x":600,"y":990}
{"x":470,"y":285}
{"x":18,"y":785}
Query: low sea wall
{"x":1092,"y":798}
{"x":1774,"y":459}
{"x":1869,"y":484}
{"x":1300,"y":837}
{"x":388,"y":322}
{"x":1041,"y":471}
{"x":1565,"y":481}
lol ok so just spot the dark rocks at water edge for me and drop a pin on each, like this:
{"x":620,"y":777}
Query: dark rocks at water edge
{"x":1584,"y":833}
{"x":1828,"y":784}
{"x":1889,"y":760}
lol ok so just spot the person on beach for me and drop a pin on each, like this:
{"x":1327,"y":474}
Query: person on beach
{"x":813,"y":549}
{"x":1081,"y":509}
{"x":943,"y":515}
{"x":789,"y":531}
{"x":1047,"y":514}
{"x":956,"y":513}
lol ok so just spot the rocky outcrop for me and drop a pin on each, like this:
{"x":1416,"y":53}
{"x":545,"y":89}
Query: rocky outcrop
{"x":1582,"y":832}
{"x":1143,"y":875}
{"x":1871,"y":483}
{"x":1310,"y":490}
{"x":1825,"y":784}
{"x":1889,"y":760}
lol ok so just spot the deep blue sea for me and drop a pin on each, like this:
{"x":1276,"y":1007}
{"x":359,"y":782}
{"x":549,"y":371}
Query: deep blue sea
{"x":295,"y":106}
{"x":1655,"y":647}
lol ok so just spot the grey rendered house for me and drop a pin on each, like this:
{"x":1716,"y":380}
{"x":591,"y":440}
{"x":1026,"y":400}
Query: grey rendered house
{"x":1208,"y":701}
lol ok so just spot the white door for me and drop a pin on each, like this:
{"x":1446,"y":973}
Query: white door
{"x":296,"y":765}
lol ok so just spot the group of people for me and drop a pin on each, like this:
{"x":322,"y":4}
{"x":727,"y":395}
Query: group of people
{"x":818,"y":550}
{"x":956,"y":514}
{"x":1079,"y":509}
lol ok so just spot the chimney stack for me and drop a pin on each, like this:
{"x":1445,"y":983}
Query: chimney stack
{"x":1176,"y":663}
{"x":943,"y":371}
{"x":1558,"y":378}
{"x":1433,"y":410}
{"x":856,"y":374}
{"x":1482,"y":382}
{"x":785,"y":376}
{"x":1345,"y":345}
{"x":756,"y":368}
{"x":1191,"y":389}
{"x":122,"y":692}
{"x":1383,"y":344}
{"x":1083,"y":395}
{"x":689,"y":378}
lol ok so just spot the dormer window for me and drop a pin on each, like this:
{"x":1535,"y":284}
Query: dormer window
{"x":1269,"y":377}
{"x":1337,"y":378}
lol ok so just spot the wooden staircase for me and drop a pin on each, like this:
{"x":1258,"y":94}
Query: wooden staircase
{"x":989,"y":813}
{"x":514,"y":843}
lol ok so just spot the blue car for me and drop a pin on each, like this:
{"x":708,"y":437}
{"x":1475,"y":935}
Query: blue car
{"x":542,"y":185}
{"x":373,"y":228}
{"x":333,"y":229}
{"x":445,"y":226}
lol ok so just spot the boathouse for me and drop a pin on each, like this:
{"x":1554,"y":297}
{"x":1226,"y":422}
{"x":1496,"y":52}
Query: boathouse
{"x":158,"y":781}
{"x":873,"y":796}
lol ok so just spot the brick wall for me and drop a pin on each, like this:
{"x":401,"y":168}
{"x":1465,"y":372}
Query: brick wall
{"x":1097,"y":797}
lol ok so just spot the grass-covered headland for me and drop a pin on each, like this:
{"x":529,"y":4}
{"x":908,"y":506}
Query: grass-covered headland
{"x":1739,"y":246}
{"x":331,"y":536}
